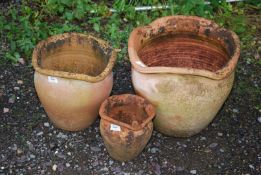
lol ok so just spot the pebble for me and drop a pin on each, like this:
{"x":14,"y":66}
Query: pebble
{"x":105,"y":169}
{"x":220,"y":134}
{"x":235,"y":110}
{"x":95,"y":148}
{"x":32,"y":156}
{"x":21,"y":61}
{"x":111,"y":162}
{"x":17,"y":88}
{"x":259,"y":119}
{"x":5,"y":110}
{"x":30,"y":145}
{"x":54,"y":167}
{"x":61,"y":135}
{"x":193,"y":171}
{"x":19,"y":151}
{"x":203,"y":138}
{"x":67,"y":165}
{"x":154,"y":150}
{"x":46,"y":124}
{"x":213,"y":145}
{"x":251,"y":166}
{"x":20,"y":82}
{"x":39,"y":133}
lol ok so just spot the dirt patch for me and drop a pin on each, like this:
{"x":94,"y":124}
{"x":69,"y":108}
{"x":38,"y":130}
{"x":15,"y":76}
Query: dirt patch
{"x":184,"y":51}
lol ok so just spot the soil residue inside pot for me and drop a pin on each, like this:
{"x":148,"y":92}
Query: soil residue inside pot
{"x":184,"y":51}
{"x":81,"y":58}
{"x":128,"y":113}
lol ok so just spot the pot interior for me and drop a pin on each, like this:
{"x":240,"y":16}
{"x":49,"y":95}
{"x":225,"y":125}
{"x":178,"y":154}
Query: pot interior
{"x":184,"y":50}
{"x":75,"y":54}
{"x":128,"y":109}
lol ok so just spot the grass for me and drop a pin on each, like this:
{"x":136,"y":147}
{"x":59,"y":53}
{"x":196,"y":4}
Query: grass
{"x":23,"y":26}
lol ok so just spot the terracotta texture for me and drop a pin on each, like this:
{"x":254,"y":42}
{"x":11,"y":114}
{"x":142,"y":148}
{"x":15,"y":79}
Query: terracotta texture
{"x":184,"y":65}
{"x":126,"y":125}
{"x":73,"y":76}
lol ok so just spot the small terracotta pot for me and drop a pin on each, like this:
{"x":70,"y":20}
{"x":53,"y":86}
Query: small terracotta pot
{"x":73,"y":75}
{"x":184,"y":65}
{"x":126,"y":125}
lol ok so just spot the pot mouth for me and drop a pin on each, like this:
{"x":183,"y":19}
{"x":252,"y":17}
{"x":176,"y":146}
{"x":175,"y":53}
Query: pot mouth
{"x":74,"y":56}
{"x":184,"y":45}
{"x":127,"y":110}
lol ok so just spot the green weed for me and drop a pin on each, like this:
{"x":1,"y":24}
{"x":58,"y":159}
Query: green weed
{"x":25,"y":25}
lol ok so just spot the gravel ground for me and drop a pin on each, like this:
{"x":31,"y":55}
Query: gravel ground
{"x":30,"y":144}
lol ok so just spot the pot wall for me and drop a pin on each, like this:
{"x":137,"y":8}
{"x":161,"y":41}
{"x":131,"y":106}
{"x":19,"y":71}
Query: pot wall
{"x":72,"y":104}
{"x":185,"y":104}
{"x":126,"y":144}
{"x":185,"y":66}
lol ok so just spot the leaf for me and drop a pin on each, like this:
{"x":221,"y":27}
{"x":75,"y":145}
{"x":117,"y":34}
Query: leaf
{"x":60,"y":9}
{"x":13,"y":45}
{"x":67,"y":2}
{"x":96,"y":27}
{"x":68,"y":15}
{"x":17,"y":55}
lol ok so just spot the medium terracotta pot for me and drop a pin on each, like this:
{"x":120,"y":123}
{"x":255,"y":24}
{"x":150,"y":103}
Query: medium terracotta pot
{"x":73,"y":76}
{"x":184,"y":65}
{"x":126,"y":125}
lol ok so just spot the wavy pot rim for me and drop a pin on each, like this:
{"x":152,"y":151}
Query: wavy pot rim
{"x":150,"y":111}
{"x":221,"y":73}
{"x":70,"y":75}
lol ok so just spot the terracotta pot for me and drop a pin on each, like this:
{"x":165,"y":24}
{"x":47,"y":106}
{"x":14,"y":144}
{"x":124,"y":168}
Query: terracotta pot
{"x":126,"y":125}
{"x":73,"y":76}
{"x":184,"y":65}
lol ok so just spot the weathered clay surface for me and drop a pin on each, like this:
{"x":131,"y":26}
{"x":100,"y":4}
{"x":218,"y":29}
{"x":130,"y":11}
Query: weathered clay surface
{"x":132,"y":116}
{"x":72,"y":104}
{"x":127,"y":144}
{"x":185,"y":67}
{"x":72,"y":78}
{"x":185,"y":104}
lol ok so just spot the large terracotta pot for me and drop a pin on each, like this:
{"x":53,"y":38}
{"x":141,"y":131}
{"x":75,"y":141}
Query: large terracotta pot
{"x":185,"y":66}
{"x":126,"y":125}
{"x":73,"y":76}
